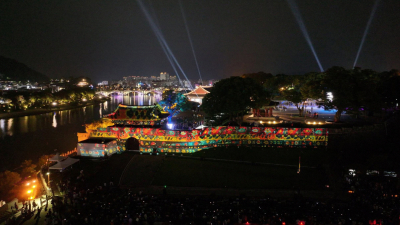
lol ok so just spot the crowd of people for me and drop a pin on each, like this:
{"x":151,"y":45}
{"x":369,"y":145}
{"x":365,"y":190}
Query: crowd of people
{"x":370,"y":202}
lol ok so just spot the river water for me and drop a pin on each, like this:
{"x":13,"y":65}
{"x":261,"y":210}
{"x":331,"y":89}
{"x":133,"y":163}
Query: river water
{"x":30,"y":137}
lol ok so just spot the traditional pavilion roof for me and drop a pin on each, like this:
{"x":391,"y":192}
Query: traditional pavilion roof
{"x":271,"y":104}
{"x":200,"y":91}
{"x":137,"y":113}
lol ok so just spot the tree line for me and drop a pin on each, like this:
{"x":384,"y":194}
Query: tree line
{"x":30,"y":100}
{"x":357,"y":90}
{"x":10,"y":181}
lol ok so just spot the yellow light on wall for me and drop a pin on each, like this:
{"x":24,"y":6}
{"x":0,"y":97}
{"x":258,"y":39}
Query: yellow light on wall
{"x":29,"y":191}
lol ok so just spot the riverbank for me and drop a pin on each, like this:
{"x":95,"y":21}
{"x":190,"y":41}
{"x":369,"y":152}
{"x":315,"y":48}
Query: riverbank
{"x":31,"y":112}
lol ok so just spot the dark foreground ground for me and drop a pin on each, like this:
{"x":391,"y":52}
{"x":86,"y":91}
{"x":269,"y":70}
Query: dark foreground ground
{"x":146,"y":189}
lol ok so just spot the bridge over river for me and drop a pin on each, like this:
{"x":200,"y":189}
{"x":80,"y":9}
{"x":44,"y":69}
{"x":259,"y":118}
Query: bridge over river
{"x":151,"y":92}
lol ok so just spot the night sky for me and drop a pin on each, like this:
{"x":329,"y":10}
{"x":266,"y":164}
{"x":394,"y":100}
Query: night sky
{"x":107,"y":40}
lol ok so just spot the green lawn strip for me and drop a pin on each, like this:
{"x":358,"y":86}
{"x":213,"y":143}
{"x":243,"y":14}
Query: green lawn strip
{"x":213,"y":174}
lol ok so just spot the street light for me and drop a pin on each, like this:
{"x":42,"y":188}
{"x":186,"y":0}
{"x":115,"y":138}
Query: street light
{"x":48,"y":179}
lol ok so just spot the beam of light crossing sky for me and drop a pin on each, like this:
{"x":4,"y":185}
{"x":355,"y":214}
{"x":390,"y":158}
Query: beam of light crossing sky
{"x":366,"y":31}
{"x":160,"y":36}
{"x":190,"y":39}
{"x":299,"y":19}
{"x":163,"y":47}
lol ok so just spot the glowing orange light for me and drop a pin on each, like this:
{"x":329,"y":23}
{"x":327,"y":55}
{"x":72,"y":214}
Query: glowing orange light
{"x":28,"y":184}
{"x":33,"y":186}
{"x":29,"y":191}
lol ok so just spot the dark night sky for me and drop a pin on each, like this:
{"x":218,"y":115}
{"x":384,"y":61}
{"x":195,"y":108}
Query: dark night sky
{"x":110,"y":39}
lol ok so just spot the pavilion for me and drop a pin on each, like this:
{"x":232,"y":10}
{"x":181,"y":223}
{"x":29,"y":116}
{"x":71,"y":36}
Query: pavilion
{"x":198,"y":94}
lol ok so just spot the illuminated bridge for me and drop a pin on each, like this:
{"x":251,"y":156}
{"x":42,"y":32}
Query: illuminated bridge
{"x":128,"y":92}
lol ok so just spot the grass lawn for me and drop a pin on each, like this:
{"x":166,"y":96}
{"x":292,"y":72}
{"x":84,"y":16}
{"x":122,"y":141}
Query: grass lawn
{"x":186,"y":172}
{"x":213,"y":174}
{"x":309,"y":156}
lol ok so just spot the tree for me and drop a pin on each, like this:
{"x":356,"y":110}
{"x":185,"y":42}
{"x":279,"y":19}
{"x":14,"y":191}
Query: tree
{"x":8,"y":180}
{"x":294,"y":95}
{"x":352,"y":90}
{"x":28,"y":168}
{"x":388,"y":88}
{"x":233,"y":96}
{"x":43,"y":160}
{"x":102,"y":123}
{"x":312,"y":86}
{"x":174,"y":103}
{"x":260,"y":77}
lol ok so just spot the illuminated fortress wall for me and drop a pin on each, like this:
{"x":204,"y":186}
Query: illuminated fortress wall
{"x":174,"y":141}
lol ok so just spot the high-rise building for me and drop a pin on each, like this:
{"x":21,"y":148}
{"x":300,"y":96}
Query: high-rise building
{"x":164,"y":76}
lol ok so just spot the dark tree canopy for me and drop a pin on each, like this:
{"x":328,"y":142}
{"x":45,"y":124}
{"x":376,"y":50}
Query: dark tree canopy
{"x":260,"y":77}
{"x":355,"y":91}
{"x":232,"y":96}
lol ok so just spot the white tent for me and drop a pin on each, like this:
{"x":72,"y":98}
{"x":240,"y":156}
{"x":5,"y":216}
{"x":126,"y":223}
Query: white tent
{"x":200,"y":127}
{"x":64,"y":164}
{"x":57,"y":158}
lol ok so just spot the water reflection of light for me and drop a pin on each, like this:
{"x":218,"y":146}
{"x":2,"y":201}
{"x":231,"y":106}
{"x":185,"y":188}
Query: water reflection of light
{"x":105,"y":105}
{"x":24,"y":124}
{"x":136,"y":98}
{"x":2,"y":127}
{"x":101,"y":110}
{"x":9,"y":126}
{"x":84,"y":110}
{"x":54,"y":124}
{"x":62,"y":115}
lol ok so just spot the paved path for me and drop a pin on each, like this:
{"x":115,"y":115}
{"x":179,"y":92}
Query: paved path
{"x":291,"y":114}
{"x":30,"y":220}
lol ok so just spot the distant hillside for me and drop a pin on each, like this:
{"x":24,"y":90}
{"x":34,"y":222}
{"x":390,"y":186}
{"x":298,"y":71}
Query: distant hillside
{"x":10,"y":69}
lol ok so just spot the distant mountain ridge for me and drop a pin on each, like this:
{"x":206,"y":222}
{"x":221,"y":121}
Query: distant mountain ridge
{"x":13,"y":70}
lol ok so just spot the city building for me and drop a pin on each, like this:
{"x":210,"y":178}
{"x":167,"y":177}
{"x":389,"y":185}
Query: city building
{"x":164,"y":76}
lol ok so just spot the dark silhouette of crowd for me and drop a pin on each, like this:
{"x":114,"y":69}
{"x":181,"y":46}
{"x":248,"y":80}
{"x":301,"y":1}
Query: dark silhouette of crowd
{"x":109,"y":204}
{"x":369,"y":200}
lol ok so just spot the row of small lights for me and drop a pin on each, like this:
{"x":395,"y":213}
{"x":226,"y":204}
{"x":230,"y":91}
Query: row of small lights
{"x":33,"y":187}
{"x":314,"y":123}
{"x":55,"y":103}
{"x":269,"y":122}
